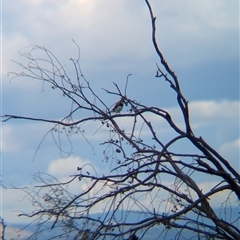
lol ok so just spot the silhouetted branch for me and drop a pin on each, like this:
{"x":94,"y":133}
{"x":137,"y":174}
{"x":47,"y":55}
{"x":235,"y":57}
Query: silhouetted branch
{"x":150,"y":182}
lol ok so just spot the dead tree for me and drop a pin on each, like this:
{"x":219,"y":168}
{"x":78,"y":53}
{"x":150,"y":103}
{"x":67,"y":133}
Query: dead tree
{"x":134,"y":193}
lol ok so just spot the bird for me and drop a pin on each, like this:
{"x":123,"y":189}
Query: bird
{"x":118,"y":106}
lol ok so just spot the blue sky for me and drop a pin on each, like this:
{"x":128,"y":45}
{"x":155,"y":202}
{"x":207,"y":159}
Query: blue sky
{"x":199,"y":39}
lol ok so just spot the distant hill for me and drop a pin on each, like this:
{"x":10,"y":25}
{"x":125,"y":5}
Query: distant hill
{"x":159,"y":232}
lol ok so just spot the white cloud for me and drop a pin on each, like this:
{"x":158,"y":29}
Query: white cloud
{"x":231,"y":150}
{"x":8,"y":141}
{"x":16,"y":137}
{"x":103,"y":33}
{"x":205,"y":113}
{"x":220,"y":198}
{"x":64,"y":167}
{"x":222,"y":110}
{"x":230,"y":146}
{"x":14,"y":202}
{"x":12,"y":45}
{"x":198,"y":27}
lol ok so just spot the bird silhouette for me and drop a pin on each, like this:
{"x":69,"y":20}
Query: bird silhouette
{"x":118,"y":106}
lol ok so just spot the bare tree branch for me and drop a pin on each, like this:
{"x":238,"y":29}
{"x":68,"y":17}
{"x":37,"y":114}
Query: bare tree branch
{"x":149,"y":185}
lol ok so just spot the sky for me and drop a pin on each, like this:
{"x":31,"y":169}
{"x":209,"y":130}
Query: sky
{"x":199,"y":40}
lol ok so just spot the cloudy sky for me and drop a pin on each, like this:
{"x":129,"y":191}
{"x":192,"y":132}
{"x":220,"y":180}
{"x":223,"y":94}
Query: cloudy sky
{"x":199,"y":39}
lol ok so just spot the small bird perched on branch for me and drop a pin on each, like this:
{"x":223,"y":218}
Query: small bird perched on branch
{"x":118,"y":106}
